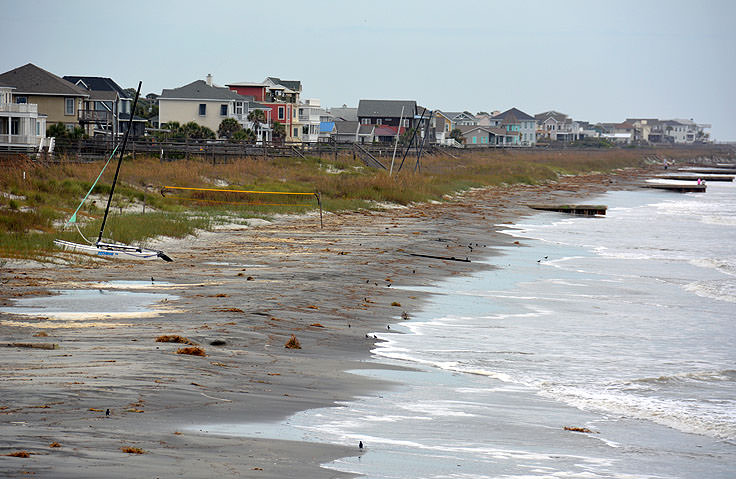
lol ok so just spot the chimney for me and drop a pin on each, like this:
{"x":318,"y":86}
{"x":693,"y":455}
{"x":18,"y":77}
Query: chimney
{"x":209,"y":79}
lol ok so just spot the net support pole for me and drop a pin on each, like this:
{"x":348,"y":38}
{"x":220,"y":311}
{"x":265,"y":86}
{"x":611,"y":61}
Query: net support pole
{"x":319,"y":203}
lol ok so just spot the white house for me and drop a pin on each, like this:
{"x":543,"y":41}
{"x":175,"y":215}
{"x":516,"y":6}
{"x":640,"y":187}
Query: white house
{"x":21,"y":126}
{"x":310,"y":115}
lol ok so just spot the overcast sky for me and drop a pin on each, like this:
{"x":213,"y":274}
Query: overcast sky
{"x":595,"y":61}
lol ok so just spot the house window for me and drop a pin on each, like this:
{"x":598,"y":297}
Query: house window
{"x":239,"y":108}
{"x":379,"y":121}
{"x":365,"y":121}
{"x":202,"y":109}
{"x":475,"y":140}
{"x":68,"y":106}
{"x":223,"y":110}
{"x":14,"y":126}
{"x":305,"y":130}
{"x":406,"y":122}
{"x":281,"y":113}
{"x":296,"y":132}
{"x":38,"y":128}
{"x":21,"y":99}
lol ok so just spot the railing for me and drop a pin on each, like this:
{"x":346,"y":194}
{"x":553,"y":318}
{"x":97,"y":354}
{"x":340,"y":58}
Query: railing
{"x":19,"y":107}
{"x":9,"y":139}
{"x":95,"y":116}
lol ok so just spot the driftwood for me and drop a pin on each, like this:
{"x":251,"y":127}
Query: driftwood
{"x":450,"y":258}
{"x":32,"y":345}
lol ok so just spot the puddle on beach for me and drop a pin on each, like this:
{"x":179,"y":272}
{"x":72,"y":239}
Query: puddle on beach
{"x":105,"y":301}
{"x":233,"y":265}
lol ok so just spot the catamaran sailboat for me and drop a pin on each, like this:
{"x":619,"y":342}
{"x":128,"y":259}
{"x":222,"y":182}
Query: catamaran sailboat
{"x":100,"y":247}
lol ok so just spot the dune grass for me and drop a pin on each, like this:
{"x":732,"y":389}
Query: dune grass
{"x":36,"y":200}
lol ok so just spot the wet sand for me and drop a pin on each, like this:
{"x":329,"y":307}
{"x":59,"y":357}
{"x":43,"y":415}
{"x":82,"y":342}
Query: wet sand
{"x":251,"y":288}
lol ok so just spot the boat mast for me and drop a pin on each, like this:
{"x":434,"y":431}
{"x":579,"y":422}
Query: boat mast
{"x":120,"y":160}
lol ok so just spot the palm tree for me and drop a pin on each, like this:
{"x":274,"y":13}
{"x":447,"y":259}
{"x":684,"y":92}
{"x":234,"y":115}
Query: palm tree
{"x":279,"y":130}
{"x":256,"y":117}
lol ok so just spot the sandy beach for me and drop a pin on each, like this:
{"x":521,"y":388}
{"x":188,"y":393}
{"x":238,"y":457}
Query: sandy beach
{"x":247,"y":289}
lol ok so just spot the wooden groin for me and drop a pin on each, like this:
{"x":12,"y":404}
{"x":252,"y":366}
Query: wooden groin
{"x":708,"y":170}
{"x":585,"y":210}
{"x":695,"y":177}
{"x":681,"y":188}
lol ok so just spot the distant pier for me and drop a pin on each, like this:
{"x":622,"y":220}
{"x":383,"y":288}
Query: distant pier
{"x":586,"y":210}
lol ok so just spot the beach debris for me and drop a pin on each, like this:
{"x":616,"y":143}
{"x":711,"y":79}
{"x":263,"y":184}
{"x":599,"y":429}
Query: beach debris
{"x":317,"y":325}
{"x":404,"y":315}
{"x":41,"y":334}
{"x":229,"y":310}
{"x":174,"y":338}
{"x":134,"y":410}
{"x":19,"y":454}
{"x":394,"y":303}
{"x":33,"y":345}
{"x":250,"y":278}
{"x":95,"y":409}
{"x":132,"y":450}
{"x":192,"y":351}
{"x":447,"y":258}
{"x":218,"y":342}
{"x":54,"y":444}
{"x":293,"y":343}
{"x":578,"y":429}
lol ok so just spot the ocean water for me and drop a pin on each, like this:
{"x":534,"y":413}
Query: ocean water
{"x":623,"y":324}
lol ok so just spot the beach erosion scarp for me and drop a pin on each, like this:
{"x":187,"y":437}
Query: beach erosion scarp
{"x":238,"y":296}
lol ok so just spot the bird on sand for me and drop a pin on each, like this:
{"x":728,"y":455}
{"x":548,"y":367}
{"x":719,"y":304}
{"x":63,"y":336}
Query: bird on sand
{"x":151,"y":279}
{"x":107,"y":412}
{"x":360,"y":445}
{"x":388,"y":326}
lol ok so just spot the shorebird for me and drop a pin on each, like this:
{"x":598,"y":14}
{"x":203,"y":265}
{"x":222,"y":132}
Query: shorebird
{"x":107,"y":412}
{"x":360,"y":445}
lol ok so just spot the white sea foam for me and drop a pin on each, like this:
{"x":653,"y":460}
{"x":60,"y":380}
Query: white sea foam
{"x":722,"y":290}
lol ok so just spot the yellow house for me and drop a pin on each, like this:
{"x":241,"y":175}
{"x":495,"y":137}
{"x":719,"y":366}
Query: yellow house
{"x":56,"y":98}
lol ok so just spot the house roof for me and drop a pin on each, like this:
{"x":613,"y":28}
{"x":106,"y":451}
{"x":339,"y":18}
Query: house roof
{"x":513,"y":115}
{"x":32,"y":80}
{"x":386,"y":130}
{"x":346,"y":127}
{"x":556,"y":115}
{"x":350,"y":114}
{"x":294,"y":85}
{"x":200,"y":90}
{"x":387,"y":108}
{"x":100,"y":87}
{"x":366,"y":130}
{"x":126,"y":117}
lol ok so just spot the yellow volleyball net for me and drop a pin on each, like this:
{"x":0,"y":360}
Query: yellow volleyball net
{"x":217,"y":196}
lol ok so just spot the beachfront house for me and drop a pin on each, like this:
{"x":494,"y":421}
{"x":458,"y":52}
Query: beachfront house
{"x":516,"y":121}
{"x":54,"y":97}
{"x":476,"y":136}
{"x":555,"y":126}
{"x":207,"y":105}
{"x":107,"y":110}
{"x":390,"y":117}
{"x":281,"y":97}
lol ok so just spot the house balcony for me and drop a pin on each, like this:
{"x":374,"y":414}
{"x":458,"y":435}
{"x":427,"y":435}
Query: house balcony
{"x":7,"y":139}
{"x":95,"y":116}
{"x":18,"y":108}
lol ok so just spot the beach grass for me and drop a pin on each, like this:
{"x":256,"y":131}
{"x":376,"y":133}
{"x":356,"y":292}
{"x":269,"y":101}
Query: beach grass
{"x":36,"y":200}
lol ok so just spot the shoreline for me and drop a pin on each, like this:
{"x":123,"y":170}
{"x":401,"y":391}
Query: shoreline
{"x":329,"y":287}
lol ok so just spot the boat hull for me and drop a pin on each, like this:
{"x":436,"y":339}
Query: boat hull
{"x":113,"y":251}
